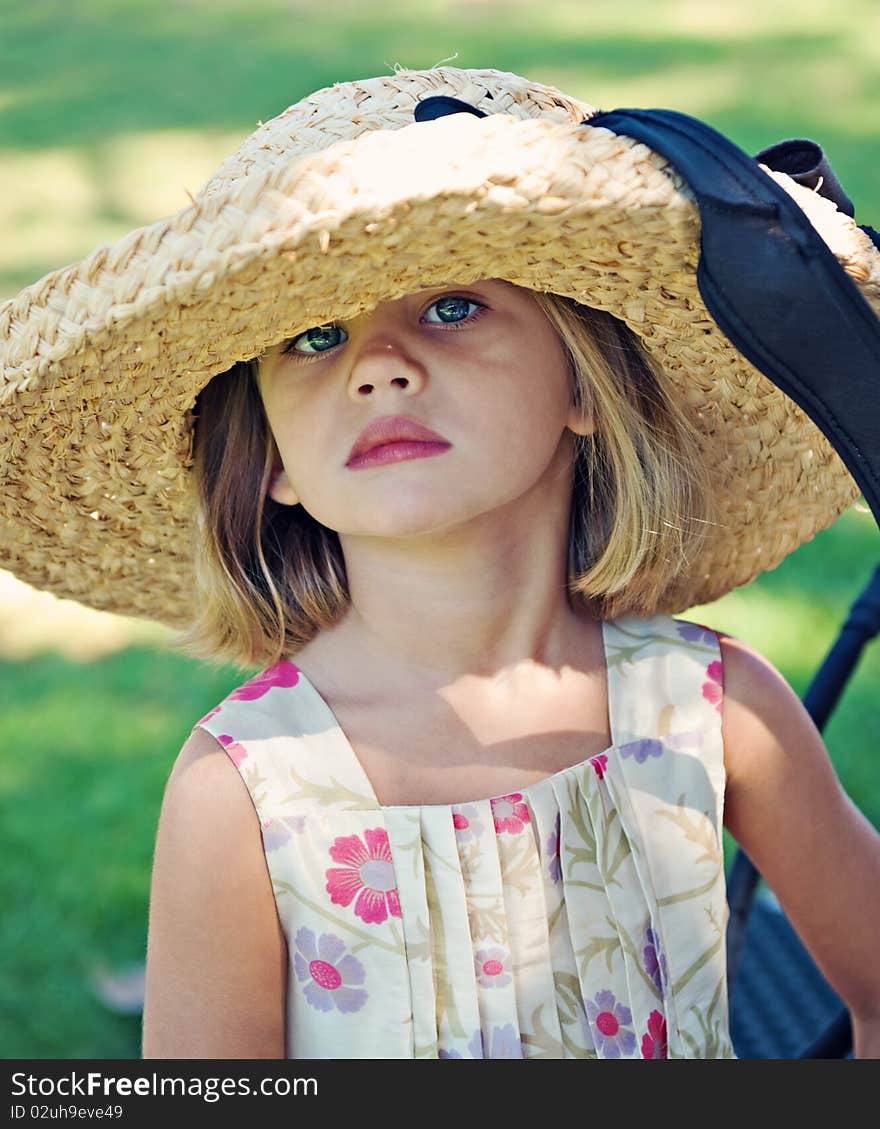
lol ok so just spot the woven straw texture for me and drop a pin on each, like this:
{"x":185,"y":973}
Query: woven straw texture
{"x":341,"y":202}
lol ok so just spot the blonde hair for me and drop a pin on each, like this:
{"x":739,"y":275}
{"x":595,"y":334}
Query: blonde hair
{"x":269,"y":577}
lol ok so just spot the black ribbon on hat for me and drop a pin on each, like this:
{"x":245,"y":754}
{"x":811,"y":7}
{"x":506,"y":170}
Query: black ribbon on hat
{"x":439,"y":105}
{"x":805,"y":162}
{"x":767,"y":277}
{"x":772,"y":284}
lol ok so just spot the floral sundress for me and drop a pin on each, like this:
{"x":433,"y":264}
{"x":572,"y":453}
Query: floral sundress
{"x":583,"y":916}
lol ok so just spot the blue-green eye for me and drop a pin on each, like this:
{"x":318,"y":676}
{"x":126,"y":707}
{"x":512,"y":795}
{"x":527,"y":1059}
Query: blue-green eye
{"x":453,"y":308}
{"x":318,"y":340}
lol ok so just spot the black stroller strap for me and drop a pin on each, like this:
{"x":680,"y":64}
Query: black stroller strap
{"x":771,"y":283}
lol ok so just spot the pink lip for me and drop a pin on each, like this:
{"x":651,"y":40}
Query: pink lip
{"x":393,"y":439}
{"x":397,"y":453}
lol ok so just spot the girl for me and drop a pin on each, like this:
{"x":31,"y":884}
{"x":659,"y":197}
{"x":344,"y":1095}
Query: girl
{"x":474,"y":441}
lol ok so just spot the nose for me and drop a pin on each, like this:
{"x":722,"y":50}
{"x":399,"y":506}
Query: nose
{"x":381,"y":364}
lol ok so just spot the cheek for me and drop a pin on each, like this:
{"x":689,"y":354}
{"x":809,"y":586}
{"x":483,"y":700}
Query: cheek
{"x":312,"y":459}
{"x":531,"y":402}
{"x":294,"y":426}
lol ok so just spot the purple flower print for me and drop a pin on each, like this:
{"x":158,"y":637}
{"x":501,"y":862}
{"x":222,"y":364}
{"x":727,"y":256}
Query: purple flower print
{"x":510,"y":813}
{"x":209,"y":715}
{"x":642,"y":749}
{"x":505,"y":1042}
{"x":490,"y":967}
{"x":467,"y":823}
{"x":276,"y":832}
{"x":283,"y":674}
{"x":694,"y":632}
{"x":475,"y":1046}
{"x":554,"y":867}
{"x":712,"y":690}
{"x":686,"y":739}
{"x":654,"y":960}
{"x":328,"y":975}
{"x":368,"y":872}
{"x":654,"y":1039}
{"x":610,"y":1022}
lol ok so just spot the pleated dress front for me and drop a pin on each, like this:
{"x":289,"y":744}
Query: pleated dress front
{"x":583,"y":916}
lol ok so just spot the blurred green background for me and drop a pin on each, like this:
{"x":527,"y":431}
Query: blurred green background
{"x":110,"y":113}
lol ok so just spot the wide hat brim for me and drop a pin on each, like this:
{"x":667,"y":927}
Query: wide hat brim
{"x":339,"y":203}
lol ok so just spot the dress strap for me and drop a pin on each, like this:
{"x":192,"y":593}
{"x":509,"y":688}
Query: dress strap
{"x":288,"y":746}
{"x":667,"y":774}
{"x":664,"y":684}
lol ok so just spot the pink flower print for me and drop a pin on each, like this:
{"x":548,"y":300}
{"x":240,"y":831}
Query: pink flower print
{"x":467,"y":823}
{"x":654,"y":1039}
{"x":610,"y":1021}
{"x":328,"y":976}
{"x":283,"y":674}
{"x":554,"y":867}
{"x":510,"y":813}
{"x":367,"y":871}
{"x":237,"y":753}
{"x":490,"y":967}
{"x":600,"y":764}
{"x":712,"y":690}
{"x":277,"y":832}
{"x":207,"y":716}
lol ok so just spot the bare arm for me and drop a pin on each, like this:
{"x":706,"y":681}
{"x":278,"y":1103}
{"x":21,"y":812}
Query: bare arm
{"x":216,"y":955}
{"x":786,"y":808}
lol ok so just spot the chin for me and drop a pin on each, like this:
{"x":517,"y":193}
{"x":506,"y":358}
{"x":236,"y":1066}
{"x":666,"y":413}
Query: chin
{"x":394,"y":516}
{"x":404,"y":526}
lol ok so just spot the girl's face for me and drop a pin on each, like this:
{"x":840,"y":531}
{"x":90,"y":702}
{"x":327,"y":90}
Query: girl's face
{"x":479,"y":365}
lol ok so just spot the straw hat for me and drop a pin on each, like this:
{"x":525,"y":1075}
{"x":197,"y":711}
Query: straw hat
{"x":342,"y":201}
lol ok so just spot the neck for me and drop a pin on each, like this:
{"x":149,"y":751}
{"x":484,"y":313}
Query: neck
{"x":488,"y":601}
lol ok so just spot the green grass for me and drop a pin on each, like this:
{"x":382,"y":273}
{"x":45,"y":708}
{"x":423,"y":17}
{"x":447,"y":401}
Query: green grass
{"x":86,"y":751}
{"x":86,"y":748}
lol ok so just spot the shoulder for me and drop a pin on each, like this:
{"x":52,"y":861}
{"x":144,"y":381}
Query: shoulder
{"x":211,"y":901}
{"x":770,"y":740}
{"x":207,"y":821}
{"x":204,"y":778}
{"x":209,"y":831}
{"x":754,"y":690}
{"x":762,"y":717}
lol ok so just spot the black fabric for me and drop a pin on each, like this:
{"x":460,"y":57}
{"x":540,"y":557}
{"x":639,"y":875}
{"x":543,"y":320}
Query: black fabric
{"x":439,"y":105}
{"x":872,"y":234}
{"x":805,"y":162}
{"x":774,"y":287}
